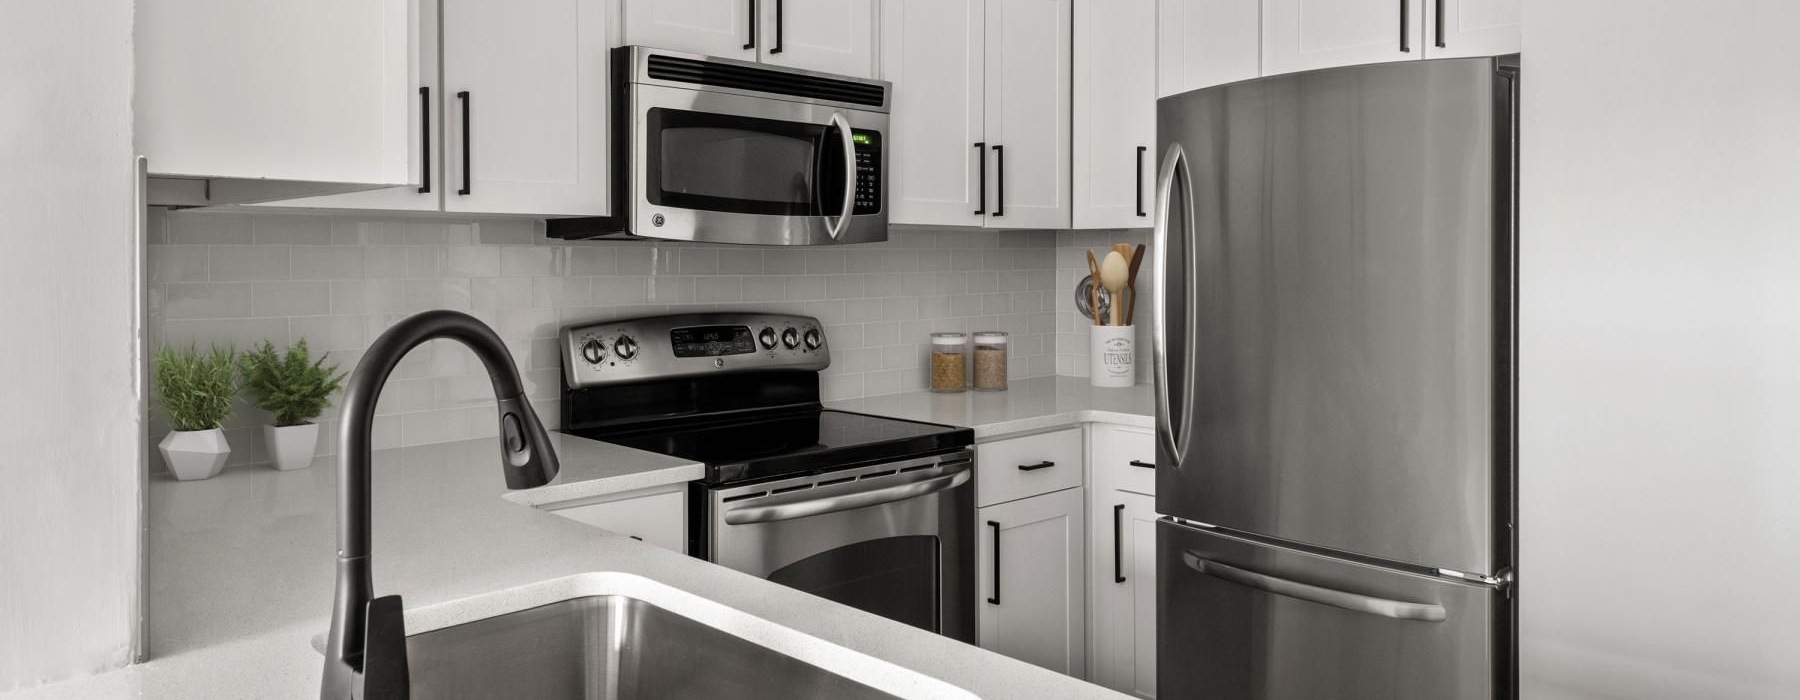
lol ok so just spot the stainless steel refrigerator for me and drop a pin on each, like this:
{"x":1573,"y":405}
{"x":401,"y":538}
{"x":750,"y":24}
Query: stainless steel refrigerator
{"x":1336,"y":389}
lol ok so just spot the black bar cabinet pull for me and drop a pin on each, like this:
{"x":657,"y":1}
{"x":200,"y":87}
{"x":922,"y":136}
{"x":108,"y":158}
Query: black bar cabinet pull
{"x":778,"y":20}
{"x":1440,"y":23}
{"x":1034,"y":467}
{"x":981,"y":168}
{"x":999,"y":181}
{"x":425,"y":139}
{"x":751,"y":5}
{"x":1140,"y":180}
{"x":1405,"y":39}
{"x":1118,"y":556}
{"x":467,"y":127}
{"x":995,"y":599}
{"x":1140,"y":463}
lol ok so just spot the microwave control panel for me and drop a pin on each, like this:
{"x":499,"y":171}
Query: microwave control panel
{"x":868,"y":171}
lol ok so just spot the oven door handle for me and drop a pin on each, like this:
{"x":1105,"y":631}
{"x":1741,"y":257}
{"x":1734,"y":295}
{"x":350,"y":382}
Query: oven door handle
{"x":751,"y":515}
{"x":837,"y":228}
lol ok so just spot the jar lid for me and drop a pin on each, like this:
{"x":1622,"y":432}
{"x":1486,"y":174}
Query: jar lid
{"x":990,"y":337}
{"x":949,"y":338}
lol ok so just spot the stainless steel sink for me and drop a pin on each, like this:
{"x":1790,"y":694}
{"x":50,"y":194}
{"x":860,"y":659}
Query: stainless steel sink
{"x":609,"y":647}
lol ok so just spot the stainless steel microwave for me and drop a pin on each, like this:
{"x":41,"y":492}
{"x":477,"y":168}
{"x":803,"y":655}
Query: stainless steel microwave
{"x":727,"y":151}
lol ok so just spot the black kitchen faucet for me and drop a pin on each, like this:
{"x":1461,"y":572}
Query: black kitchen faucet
{"x":365,"y":656}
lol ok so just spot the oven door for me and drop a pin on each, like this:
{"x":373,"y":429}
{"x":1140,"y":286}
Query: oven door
{"x":894,"y":539}
{"x":732,"y":168}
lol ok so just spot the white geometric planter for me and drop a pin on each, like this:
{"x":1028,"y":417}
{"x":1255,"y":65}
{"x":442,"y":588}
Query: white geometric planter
{"x":195,"y":454}
{"x":291,"y":446}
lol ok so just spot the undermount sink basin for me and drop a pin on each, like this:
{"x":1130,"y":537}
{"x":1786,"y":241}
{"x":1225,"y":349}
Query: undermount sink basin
{"x":618,"y":637}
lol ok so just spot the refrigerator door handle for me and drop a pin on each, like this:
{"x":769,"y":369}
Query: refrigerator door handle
{"x":1355,"y":602}
{"x":1174,"y":160}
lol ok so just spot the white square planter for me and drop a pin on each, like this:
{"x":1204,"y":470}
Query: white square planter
{"x":291,"y":446}
{"x":195,"y":454}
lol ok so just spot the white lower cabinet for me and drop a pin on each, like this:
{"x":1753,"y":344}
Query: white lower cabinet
{"x":655,"y":515}
{"x":1123,"y":588}
{"x":1033,"y":604}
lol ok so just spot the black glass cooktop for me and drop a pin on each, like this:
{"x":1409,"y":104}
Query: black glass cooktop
{"x":773,"y":445}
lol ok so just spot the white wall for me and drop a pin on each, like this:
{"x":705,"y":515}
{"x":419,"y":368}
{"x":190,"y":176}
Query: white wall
{"x":68,"y":411}
{"x":1660,"y":387}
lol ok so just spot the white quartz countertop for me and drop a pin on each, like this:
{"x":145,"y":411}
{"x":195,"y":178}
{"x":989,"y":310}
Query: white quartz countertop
{"x":1028,"y":405}
{"x":240,"y":566}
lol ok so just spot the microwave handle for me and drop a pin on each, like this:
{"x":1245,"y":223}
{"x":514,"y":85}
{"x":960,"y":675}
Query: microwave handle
{"x":837,"y":229}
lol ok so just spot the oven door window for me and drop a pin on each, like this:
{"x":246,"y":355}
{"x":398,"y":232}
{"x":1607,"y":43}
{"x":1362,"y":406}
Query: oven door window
{"x":894,"y":577}
{"x":727,"y":163}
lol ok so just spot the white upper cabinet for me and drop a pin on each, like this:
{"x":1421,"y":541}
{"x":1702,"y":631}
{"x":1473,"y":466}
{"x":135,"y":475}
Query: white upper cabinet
{"x":1027,"y":113}
{"x":1462,"y":28}
{"x":1306,"y":34}
{"x":831,"y":36}
{"x":933,"y":52}
{"x":1115,"y":113}
{"x":525,"y":85}
{"x":725,"y":28}
{"x":1202,"y":43}
{"x":322,"y":91}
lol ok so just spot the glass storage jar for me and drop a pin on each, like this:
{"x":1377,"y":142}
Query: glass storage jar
{"x":949,"y":361}
{"x":990,"y":360}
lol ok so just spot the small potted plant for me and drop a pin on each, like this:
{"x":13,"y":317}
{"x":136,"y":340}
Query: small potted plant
{"x":195,"y":390}
{"x":294,"y":389}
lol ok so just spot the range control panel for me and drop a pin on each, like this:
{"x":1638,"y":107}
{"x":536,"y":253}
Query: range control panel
{"x":686,"y":345}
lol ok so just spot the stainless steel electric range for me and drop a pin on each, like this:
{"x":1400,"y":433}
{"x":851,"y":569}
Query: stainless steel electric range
{"x":873,"y":512}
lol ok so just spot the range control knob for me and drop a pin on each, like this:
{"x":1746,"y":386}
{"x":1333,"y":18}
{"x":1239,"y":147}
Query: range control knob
{"x":767,"y":336}
{"x":625,"y":347}
{"x":813,"y":339}
{"x":593,"y":351}
{"x":790,"y":338}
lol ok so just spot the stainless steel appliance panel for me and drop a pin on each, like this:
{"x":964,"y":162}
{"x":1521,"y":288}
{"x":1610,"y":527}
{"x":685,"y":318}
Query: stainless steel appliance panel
{"x":1329,"y":332}
{"x":1248,"y":621}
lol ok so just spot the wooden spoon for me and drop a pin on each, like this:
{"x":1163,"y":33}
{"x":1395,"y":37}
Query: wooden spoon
{"x":1137,"y":261}
{"x":1094,"y":288}
{"x":1113,"y":274}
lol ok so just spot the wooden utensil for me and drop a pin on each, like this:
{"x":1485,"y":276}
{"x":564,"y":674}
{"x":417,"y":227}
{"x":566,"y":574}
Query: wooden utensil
{"x":1137,"y":261}
{"x":1113,"y":273}
{"x":1094,"y":288}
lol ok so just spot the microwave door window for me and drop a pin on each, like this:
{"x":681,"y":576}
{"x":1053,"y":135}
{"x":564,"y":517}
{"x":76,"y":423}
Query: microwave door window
{"x":726,"y":163}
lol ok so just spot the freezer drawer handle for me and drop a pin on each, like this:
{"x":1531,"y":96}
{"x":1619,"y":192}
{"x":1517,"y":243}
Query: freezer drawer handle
{"x":873,"y":497}
{"x":1355,"y":602}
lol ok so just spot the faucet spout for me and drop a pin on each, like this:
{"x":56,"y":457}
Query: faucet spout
{"x":365,"y":654}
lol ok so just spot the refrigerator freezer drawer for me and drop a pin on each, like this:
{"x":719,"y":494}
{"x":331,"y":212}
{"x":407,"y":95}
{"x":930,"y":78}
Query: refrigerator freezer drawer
{"x":1242,"y":620}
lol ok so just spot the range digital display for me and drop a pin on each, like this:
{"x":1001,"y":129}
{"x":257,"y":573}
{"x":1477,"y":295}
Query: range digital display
{"x":712,"y":341}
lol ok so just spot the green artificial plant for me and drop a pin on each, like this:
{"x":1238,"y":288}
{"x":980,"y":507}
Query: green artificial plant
{"x":293,"y":388}
{"x":195,"y":389}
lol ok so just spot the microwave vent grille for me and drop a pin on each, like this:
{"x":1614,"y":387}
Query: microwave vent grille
{"x":687,"y":70}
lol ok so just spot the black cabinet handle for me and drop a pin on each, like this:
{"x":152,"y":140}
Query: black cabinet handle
{"x":1118,"y":556}
{"x":1440,"y":23}
{"x":778,"y":23}
{"x":1034,"y":467}
{"x":1140,"y":180}
{"x":981,"y":167}
{"x":1146,"y":465}
{"x":468,"y":160}
{"x":999,"y":181}
{"x":1405,"y":12}
{"x":751,"y":5}
{"x":995,"y":599}
{"x":425,"y":139}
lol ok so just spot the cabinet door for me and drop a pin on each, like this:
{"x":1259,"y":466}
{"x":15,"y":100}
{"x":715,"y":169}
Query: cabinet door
{"x":1115,"y":113}
{"x":1464,"y":28}
{"x":727,"y":28}
{"x":832,"y":36}
{"x":1202,"y":43}
{"x":1027,"y":109}
{"x":1033,"y":605}
{"x":1123,"y":585}
{"x":1307,"y":34}
{"x":657,"y":516}
{"x":526,"y":107}
{"x":323,"y":91}
{"x":932,"y":51}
